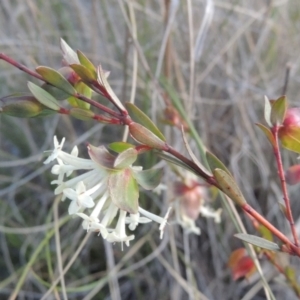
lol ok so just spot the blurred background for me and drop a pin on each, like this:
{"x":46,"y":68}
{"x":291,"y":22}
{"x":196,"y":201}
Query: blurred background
{"x":221,"y":58}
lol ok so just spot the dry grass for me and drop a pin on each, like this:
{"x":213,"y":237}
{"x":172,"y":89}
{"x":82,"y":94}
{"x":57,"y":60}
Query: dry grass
{"x":240,"y":51}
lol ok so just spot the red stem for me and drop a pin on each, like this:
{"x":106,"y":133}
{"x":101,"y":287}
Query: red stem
{"x":286,"y":199}
{"x":77,"y":95}
{"x":259,"y":218}
{"x":20,"y":66}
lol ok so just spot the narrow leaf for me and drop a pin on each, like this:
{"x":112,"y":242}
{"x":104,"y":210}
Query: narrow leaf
{"x":267,"y":111}
{"x":142,"y":118}
{"x":87,"y":63}
{"x":55,"y":78}
{"x":278,"y":110}
{"x":229,"y":186}
{"x":149,"y":179}
{"x":215,"y":163}
{"x":43,"y":97}
{"x":257,"y":241}
{"x":267,"y":132}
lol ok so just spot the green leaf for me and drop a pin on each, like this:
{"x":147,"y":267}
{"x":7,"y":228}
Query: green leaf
{"x":84,"y":90}
{"x":87,"y":63}
{"x":55,"y":92}
{"x":149,"y":179}
{"x":140,"y":117}
{"x":56,"y":79}
{"x":120,"y":146}
{"x":84,"y":73}
{"x":278,"y":110}
{"x":215,"y":163}
{"x":43,"y":97}
{"x":25,"y":106}
{"x":124,"y":191}
{"x":267,"y":132}
{"x":257,"y":241}
{"x":126,"y":158}
{"x":267,"y":111}
{"x":229,"y":186}
{"x":290,"y":138}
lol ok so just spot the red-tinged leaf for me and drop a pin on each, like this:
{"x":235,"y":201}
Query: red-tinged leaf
{"x":278,"y":110}
{"x":292,"y":175}
{"x":290,"y":138}
{"x":241,"y":264}
{"x":120,"y":146}
{"x":124,"y":191}
{"x":43,"y":97}
{"x":144,"y":136}
{"x":101,"y":156}
{"x":56,"y":79}
{"x":87,"y":63}
{"x":140,"y":117}
{"x":267,"y":133}
{"x":244,"y":268}
{"x":236,"y":256}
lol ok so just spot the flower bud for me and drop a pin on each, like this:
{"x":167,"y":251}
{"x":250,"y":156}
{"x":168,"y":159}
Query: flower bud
{"x":292,"y":117}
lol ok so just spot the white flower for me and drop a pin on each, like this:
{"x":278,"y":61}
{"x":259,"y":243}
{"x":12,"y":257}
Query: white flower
{"x":80,"y":197}
{"x":94,"y":188}
{"x":56,"y":150}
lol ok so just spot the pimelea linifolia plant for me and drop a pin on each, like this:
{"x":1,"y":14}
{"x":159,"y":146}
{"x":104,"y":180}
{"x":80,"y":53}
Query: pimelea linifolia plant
{"x":109,"y":181}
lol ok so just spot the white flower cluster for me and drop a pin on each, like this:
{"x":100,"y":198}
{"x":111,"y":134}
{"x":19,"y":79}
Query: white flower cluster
{"x":90,"y":190}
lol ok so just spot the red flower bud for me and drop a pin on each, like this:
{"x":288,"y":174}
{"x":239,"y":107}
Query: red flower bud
{"x":292,"y":117}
